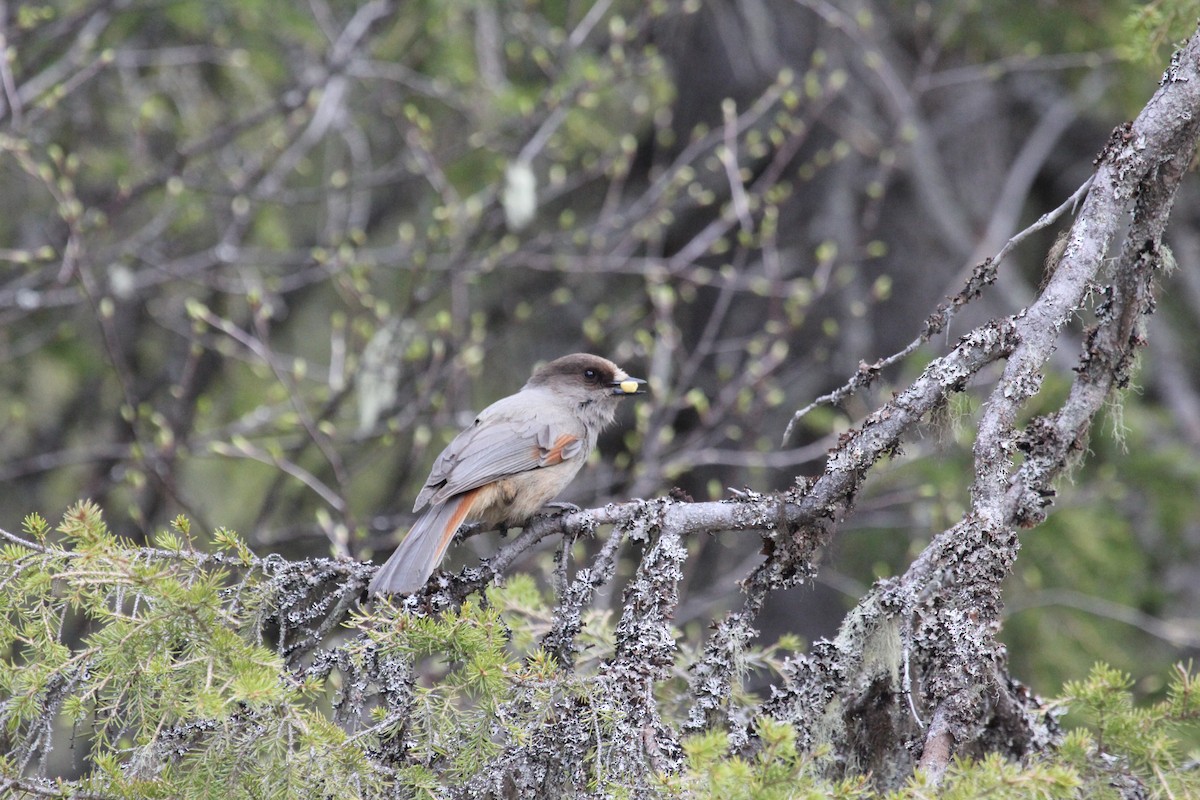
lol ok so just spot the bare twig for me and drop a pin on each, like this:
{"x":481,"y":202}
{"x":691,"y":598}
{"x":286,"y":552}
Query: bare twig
{"x":937,"y":322}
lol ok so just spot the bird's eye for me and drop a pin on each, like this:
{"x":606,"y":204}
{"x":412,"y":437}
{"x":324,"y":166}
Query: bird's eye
{"x":590,"y":375}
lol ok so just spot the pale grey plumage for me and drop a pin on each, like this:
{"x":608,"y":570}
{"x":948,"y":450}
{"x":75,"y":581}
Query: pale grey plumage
{"x":518,"y":454}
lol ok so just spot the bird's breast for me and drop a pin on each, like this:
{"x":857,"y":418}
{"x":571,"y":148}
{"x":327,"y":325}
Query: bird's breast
{"x":516,"y":498}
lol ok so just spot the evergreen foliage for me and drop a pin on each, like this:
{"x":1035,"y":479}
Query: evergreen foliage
{"x":138,"y":672}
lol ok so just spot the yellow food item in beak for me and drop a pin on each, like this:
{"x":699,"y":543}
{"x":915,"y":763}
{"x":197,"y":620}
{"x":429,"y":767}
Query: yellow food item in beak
{"x":629,"y":387}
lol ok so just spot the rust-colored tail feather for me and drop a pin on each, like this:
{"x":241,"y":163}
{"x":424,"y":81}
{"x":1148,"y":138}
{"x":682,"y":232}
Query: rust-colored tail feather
{"x":423,"y":548}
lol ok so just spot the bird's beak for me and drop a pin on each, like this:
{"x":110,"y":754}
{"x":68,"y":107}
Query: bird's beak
{"x":629,"y":385}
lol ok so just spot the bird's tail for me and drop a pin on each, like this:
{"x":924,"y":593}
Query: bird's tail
{"x":422,"y":550}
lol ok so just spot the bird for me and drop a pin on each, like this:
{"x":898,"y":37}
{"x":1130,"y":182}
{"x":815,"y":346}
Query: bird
{"x":517,"y":455}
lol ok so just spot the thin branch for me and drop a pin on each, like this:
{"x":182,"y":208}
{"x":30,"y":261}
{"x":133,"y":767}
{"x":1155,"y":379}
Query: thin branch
{"x":1183,"y":632}
{"x":940,"y":319}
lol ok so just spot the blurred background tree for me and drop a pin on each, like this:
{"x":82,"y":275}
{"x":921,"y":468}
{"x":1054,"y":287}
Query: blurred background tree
{"x":260,"y":261}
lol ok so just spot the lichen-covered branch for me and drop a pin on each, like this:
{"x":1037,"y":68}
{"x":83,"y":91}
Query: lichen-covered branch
{"x":950,"y":599}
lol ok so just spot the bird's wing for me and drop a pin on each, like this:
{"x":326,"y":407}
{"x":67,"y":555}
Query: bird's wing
{"x":507,"y":438}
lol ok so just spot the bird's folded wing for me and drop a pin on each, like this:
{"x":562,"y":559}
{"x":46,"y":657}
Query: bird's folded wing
{"x":494,"y":449}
